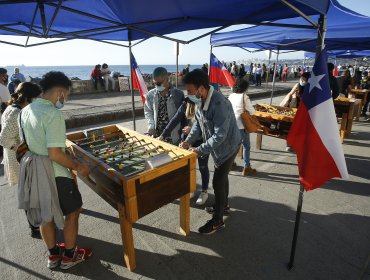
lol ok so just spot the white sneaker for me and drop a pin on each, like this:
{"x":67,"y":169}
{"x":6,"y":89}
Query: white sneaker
{"x":192,"y":194}
{"x":202,"y":198}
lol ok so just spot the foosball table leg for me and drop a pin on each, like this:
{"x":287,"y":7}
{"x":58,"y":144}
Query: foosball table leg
{"x":259,"y":141}
{"x":185,"y":214}
{"x":127,"y":239}
{"x":343,"y":127}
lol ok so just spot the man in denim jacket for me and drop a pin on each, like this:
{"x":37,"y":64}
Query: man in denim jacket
{"x":216,"y":125}
{"x":161,"y":105}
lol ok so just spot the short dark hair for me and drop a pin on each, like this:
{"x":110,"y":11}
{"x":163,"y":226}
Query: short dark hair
{"x":197,"y":77}
{"x":240,"y":85}
{"x":25,"y":92}
{"x":54,"y":79}
{"x":306,"y":75}
{"x":330,"y":66}
{"x":3,"y":71}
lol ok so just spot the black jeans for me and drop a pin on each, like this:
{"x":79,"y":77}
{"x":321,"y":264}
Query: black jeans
{"x":221,"y":186}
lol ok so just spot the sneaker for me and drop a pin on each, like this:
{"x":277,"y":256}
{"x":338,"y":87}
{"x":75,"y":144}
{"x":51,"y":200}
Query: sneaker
{"x":211,"y":227}
{"x":54,"y":260}
{"x":249,"y":171}
{"x":79,"y":256}
{"x":202,"y":198}
{"x":288,"y":149}
{"x":211,"y":210}
{"x":192,"y":194}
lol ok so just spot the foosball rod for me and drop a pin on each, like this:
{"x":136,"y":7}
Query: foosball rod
{"x":143,"y":160}
{"x":100,"y":135}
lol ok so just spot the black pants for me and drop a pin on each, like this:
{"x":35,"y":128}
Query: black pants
{"x":366,"y":105}
{"x":100,"y":79}
{"x":258,"y":79}
{"x":221,"y":186}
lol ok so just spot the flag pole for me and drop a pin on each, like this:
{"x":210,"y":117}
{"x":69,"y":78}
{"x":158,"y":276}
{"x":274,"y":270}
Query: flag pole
{"x":296,"y":227}
{"x":319,"y":48}
{"x":210,"y":57}
{"x":177,"y":63}
{"x":132,"y":87}
{"x":274,"y":78}
{"x":268,"y":70}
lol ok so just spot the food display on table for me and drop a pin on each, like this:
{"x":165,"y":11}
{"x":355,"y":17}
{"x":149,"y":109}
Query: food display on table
{"x":276,"y":119}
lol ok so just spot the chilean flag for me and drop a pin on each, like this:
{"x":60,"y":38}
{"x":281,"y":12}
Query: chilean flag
{"x":314,"y":134}
{"x":137,"y":79}
{"x":218,"y":74}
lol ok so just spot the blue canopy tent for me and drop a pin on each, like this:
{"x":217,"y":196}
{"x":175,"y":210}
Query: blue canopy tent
{"x":346,"y":29}
{"x":342,"y":54}
{"x":133,"y":20}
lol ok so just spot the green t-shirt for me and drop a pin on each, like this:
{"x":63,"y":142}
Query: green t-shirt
{"x":44,"y":127}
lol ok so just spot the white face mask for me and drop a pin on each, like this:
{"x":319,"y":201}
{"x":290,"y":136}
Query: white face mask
{"x":302,"y":83}
{"x":59,"y":104}
{"x":160,"y":88}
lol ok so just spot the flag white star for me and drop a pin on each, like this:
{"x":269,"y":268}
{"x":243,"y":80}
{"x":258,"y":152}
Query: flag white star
{"x":215,"y":60}
{"x":314,"y":81}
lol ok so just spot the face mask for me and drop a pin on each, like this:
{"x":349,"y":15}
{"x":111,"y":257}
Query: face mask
{"x":160,"y":88}
{"x":194,"y":99}
{"x":59,"y":105}
{"x":302,"y":83}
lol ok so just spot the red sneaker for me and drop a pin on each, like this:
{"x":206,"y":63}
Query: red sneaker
{"x":54,"y":260}
{"x":79,"y":256}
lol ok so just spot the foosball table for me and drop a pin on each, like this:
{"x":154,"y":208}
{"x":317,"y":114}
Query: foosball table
{"x":276,"y":119}
{"x":136,"y":174}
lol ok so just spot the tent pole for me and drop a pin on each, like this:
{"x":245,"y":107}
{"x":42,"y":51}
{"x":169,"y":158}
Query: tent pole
{"x":177,"y":63}
{"x":274,"y":78}
{"x":319,"y":48}
{"x":268,"y":69}
{"x":131,"y":87}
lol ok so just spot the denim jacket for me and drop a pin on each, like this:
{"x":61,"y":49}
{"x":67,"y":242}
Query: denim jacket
{"x":174,"y":101}
{"x":216,"y":124}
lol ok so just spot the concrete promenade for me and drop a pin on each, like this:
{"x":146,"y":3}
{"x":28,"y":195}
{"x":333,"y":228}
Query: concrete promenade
{"x":93,"y":108}
{"x":333,"y":243}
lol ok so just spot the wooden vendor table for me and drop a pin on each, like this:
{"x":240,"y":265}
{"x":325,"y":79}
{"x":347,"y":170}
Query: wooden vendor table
{"x":360,"y":94}
{"x":276,"y":119}
{"x":344,"y":110}
{"x":124,"y":174}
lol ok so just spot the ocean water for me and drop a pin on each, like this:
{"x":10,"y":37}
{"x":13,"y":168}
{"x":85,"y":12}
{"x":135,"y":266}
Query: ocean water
{"x":83,"y":71}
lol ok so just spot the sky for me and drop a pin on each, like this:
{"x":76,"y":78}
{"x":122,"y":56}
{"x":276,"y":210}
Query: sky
{"x":151,"y":51}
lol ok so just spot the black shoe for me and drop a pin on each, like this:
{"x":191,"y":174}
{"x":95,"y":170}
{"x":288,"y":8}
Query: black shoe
{"x":211,"y":227}
{"x":35,"y":233}
{"x":211,"y":210}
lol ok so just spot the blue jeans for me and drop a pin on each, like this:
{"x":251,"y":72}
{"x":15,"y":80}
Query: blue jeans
{"x":203,"y":168}
{"x":246,"y":147}
{"x":204,"y":171}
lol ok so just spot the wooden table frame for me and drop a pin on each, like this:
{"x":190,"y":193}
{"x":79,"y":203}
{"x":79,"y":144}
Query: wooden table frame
{"x":344,"y":108}
{"x":136,"y":196}
{"x":360,"y":94}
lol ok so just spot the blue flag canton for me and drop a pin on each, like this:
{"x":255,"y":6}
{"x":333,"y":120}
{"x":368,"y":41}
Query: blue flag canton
{"x":215,"y":62}
{"x":133,"y":61}
{"x":317,"y":89}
